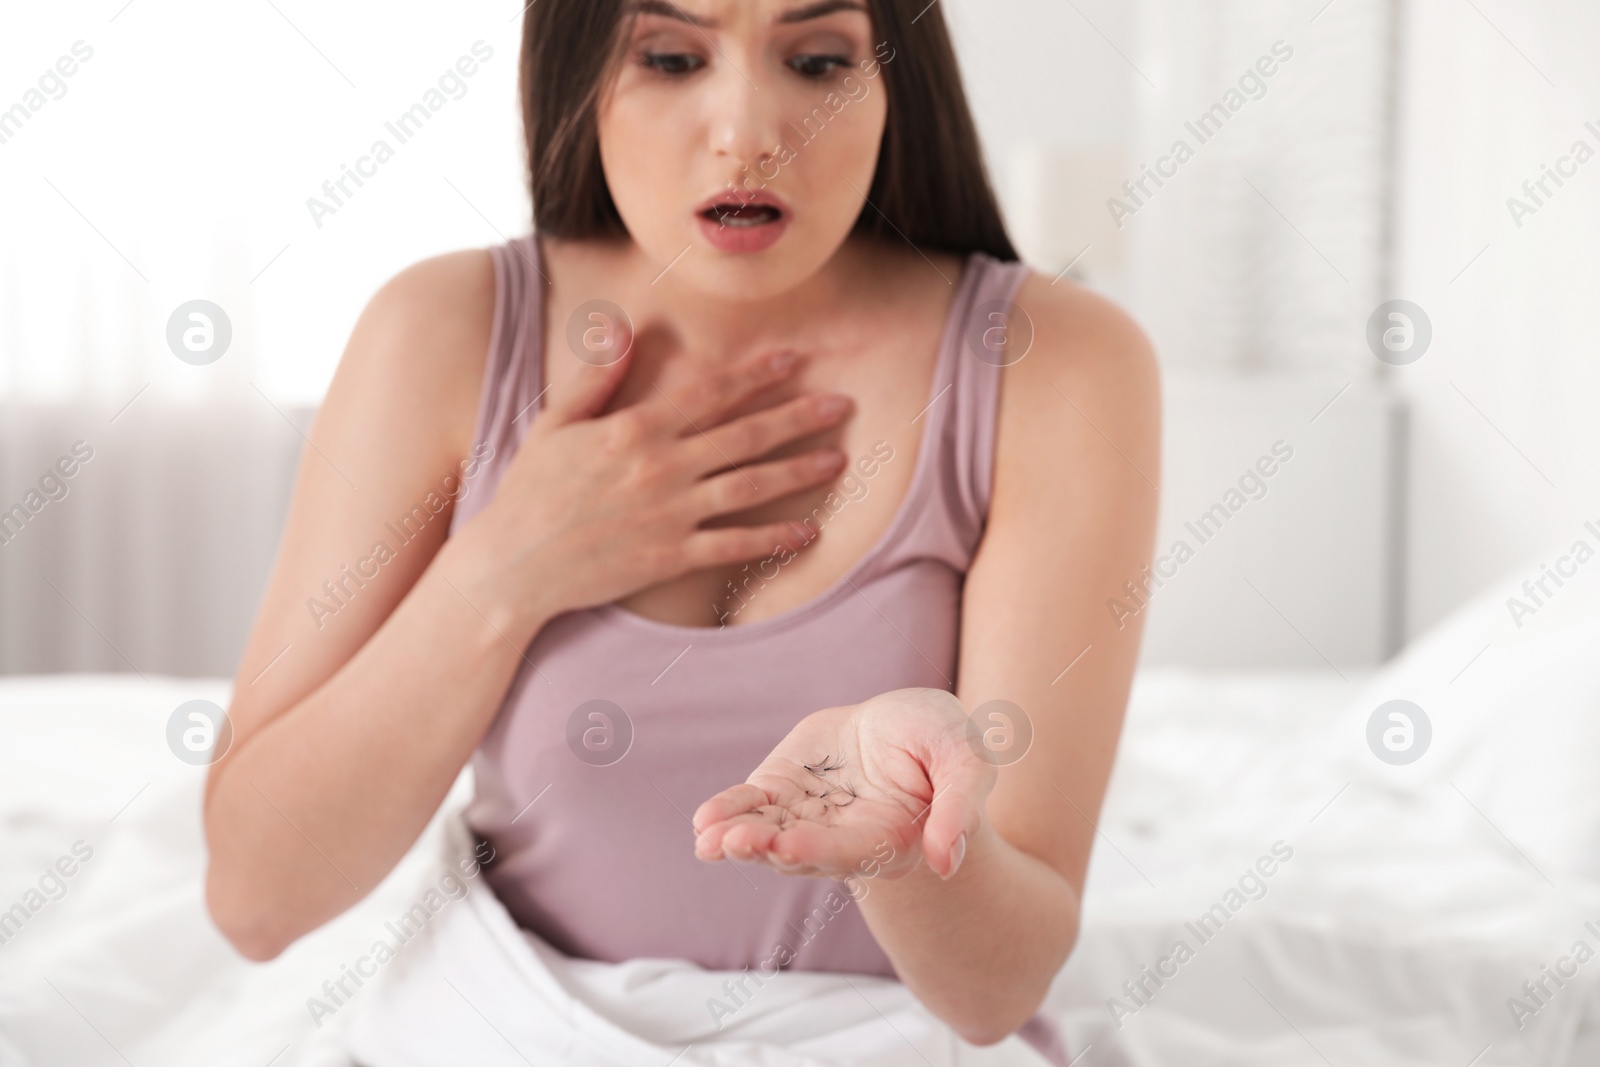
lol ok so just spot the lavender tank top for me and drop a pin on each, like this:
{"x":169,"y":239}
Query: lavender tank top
{"x":617,"y":726}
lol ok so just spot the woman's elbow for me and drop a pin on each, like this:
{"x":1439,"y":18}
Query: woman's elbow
{"x":991,"y":1022}
{"x":993,"y":1028}
{"x":249,"y":927}
{"x":243,"y":902}
{"x":985,"y":1037}
{"x":245,"y":894}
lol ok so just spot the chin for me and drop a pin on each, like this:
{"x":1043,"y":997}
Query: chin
{"x":747,"y":276}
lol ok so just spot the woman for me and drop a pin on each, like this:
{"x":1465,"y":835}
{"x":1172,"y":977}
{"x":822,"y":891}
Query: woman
{"x":757,"y":451}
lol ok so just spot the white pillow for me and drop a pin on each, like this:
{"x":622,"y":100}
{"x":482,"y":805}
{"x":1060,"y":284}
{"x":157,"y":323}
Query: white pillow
{"x":1512,"y":696}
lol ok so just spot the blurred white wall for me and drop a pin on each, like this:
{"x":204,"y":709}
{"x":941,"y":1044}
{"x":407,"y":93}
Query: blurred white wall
{"x":1266,"y":251}
{"x":1506,"y":445}
{"x":178,"y":162}
{"x":1254,"y":266}
{"x":175,"y":163}
{"x":1046,"y":70}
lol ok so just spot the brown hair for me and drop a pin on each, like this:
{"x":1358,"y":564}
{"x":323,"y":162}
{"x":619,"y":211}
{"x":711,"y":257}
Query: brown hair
{"x":930,"y":188}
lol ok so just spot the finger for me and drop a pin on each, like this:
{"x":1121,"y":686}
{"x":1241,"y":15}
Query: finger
{"x":840,"y":849}
{"x":713,"y":843}
{"x":699,"y":402}
{"x":746,"y":487}
{"x":755,"y":435}
{"x":740,"y":544}
{"x":802,"y":870}
{"x":747,"y":837}
{"x":586,"y":394}
{"x":961,"y":784}
{"x":735,"y":800}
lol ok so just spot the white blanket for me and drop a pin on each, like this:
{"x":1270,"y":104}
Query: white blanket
{"x":472,"y":987}
{"x":1418,"y":902}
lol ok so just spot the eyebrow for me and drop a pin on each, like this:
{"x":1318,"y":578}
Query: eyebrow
{"x":817,"y":10}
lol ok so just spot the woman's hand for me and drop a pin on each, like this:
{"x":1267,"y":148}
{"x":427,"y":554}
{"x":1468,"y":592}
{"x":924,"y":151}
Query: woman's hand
{"x":595,"y":507}
{"x":864,"y":791}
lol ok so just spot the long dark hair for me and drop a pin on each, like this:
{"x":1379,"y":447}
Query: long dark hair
{"x":930,"y":188}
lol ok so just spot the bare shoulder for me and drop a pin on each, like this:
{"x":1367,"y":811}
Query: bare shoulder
{"x":397,"y":417}
{"x":1089,"y":359}
{"x":1082,"y":338}
{"x":420,"y":347}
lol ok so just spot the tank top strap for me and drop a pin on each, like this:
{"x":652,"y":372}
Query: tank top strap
{"x":951,"y":487}
{"x":514,"y":369}
{"x":994,"y":334}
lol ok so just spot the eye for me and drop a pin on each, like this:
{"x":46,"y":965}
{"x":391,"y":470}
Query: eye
{"x":817,"y":66}
{"x":673,"y":64}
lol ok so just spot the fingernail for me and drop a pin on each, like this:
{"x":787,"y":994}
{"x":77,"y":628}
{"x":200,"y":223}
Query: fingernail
{"x":782,"y":361}
{"x":958,"y":852}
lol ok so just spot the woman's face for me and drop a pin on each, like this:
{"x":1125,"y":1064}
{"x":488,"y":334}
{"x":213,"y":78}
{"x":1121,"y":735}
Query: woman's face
{"x":740,"y":137}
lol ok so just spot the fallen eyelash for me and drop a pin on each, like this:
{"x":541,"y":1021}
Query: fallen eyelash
{"x":782,"y":814}
{"x":823,"y":767}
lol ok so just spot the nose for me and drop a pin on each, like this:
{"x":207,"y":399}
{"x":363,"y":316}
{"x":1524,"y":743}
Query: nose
{"x":744,"y":124}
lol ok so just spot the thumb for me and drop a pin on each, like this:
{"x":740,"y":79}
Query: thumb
{"x":961,"y":785}
{"x":604,"y":355}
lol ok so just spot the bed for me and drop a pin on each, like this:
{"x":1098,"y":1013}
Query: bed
{"x":1336,"y":908}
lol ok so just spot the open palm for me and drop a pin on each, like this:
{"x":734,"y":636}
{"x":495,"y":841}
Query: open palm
{"x":862,"y":791}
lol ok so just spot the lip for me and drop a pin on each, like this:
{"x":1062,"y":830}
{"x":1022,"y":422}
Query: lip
{"x":743,"y":240}
{"x":761,"y":198}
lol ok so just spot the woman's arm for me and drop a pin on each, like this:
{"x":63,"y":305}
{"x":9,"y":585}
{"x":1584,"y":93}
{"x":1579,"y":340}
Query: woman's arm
{"x":1072,"y":517}
{"x":968,"y":862}
{"x":350,"y":727}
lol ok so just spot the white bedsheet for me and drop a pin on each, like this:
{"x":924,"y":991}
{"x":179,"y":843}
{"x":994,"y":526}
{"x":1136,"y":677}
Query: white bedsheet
{"x":1417,"y":899}
{"x":474,"y":988}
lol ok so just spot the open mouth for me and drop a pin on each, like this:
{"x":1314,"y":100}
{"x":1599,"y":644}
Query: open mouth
{"x":742,"y":215}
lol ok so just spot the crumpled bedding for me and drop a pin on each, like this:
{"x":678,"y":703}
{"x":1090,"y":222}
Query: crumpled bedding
{"x":471,"y":987}
{"x":1421,"y":915}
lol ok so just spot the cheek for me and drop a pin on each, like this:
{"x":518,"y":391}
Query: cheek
{"x":629,"y":131}
{"x":641,"y":140}
{"x":850,"y":141}
{"x":836,"y":167}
